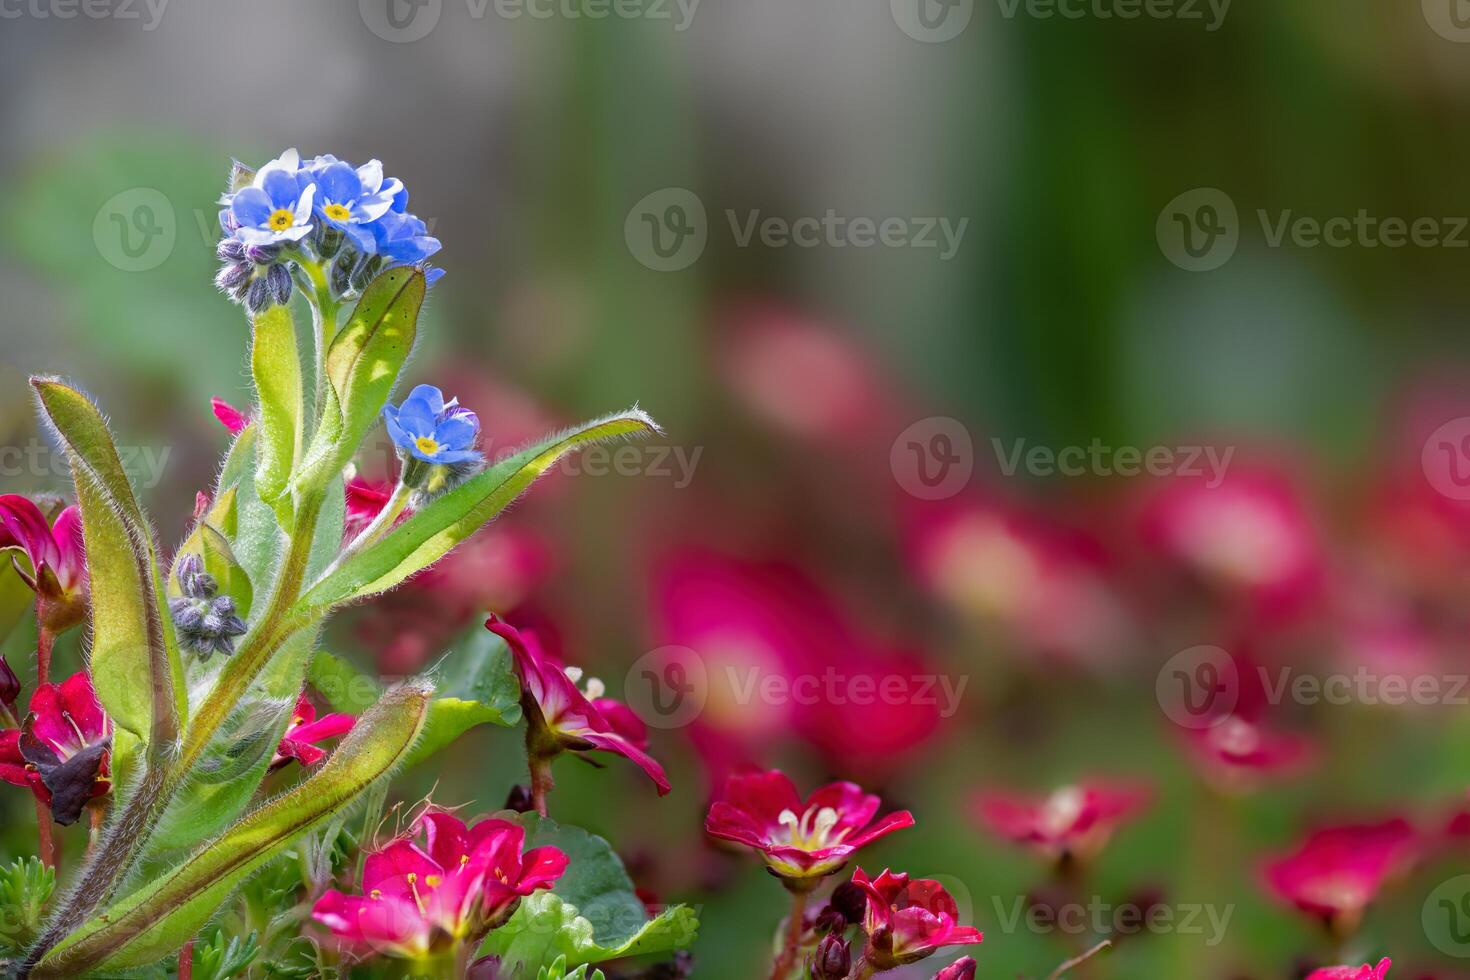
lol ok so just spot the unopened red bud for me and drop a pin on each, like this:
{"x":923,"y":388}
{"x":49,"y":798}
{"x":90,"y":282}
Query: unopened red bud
{"x":520,"y":800}
{"x":830,"y":920}
{"x":9,"y":684}
{"x":832,"y":959}
{"x":849,"y":900}
{"x":963,"y":969}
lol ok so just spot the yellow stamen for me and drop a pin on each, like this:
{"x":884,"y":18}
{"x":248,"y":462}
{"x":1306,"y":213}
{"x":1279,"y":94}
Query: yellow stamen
{"x":281,"y":219}
{"x":813,"y":830}
{"x":336,"y":212}
{"x":426,"y":445}
{"x":413,"y":886}
{"x":376,"y":894}
{"x":432,"y":881}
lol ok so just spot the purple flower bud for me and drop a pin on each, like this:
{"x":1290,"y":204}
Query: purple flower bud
{"x":850,"y":900}
{"x":519,"y":799}
{"x":832,"y":959}
{"x":9,"y":684}
{"x":962,"y":969}
{"x":830,"y":920}
{"x":234,"y":276}
{"x":262,"y":254}
{"x":230,"y":250}
{"x":278,"y":280}
{"x":258,"y":298}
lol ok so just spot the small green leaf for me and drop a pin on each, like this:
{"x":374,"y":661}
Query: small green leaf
{"x":25,"y":886}
{"x":547,"y":930}
{"x":135,"y":657}
{"x":219,"y":958}
{"x":477,"y":685}
{"x":362,"y":366}
{"x":431,"y":532}
{"x":164,"y":912}
{"x":237,"y":460}
{"x":258,"y":537}
{"x":276,"y":366}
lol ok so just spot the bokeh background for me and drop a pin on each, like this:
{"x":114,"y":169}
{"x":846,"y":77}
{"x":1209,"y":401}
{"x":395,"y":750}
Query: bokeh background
{"x":834,"y":490}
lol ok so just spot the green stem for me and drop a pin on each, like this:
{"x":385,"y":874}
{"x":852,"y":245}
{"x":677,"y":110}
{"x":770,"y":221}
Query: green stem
{"x":380,"y":524}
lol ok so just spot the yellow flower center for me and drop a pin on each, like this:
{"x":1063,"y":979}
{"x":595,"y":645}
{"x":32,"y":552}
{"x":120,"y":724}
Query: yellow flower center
{"x":426,"y":445}
{"x":336,"y":212}
{"x":813,"y":831}
{"x":281,"y":219}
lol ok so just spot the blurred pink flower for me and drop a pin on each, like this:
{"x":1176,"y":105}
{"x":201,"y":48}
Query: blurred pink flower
{"x":1338,"y":871}
{"x":1073,"y":823}
{"x":1251,"y":536}
{"x":802,"y":376}
{"x":801,"y":840}
{"x":1238,"y":755}
{"x":1365,"y":972}
{"x":1047,"y":586}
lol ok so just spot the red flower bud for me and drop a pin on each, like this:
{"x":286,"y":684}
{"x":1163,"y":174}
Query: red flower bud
{"x":9,"y":684}
{"x":832,"y":959}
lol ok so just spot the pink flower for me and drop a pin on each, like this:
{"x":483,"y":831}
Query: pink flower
{"x":1074,"y":822}
{"x":960,"y":969}
{"x":563,"y":718}
{"x":908,"y":920}
{"x":1240,"y":754}
{"x":1250,"y":535}
{"x":800,"y":840}
{"x":62,"y":751}
{"x":365,"y":499}
{"x":57,"y":570}
{"x":1338,"y":871}
{"x":229,"y":416}
{"x":305,"y":730}
{"x":1365,"y":972}
{"x":454,"y":887}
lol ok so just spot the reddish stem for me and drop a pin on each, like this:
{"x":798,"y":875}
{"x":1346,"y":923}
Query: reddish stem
{"x":781,"y":968}
{"x":186,"y":961}
{"x":43,"y":829}
{"x":541,"y":782}
{"x":45,"y":640}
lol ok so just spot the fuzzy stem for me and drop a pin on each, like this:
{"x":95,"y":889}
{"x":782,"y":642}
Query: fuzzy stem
{"x":45,"y":642}
{"x":381,"y":523}
{"x":541,"y":781}
{"x":45,"y":834}
{"x":795,"y":925}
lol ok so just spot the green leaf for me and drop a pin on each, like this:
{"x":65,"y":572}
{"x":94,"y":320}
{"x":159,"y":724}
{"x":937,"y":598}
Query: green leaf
{"x":276,"y":365}
{"x":164,"y":912}
{"x":362,"y":365}
{"x":237,"y":460}
{"x":595,"y":881}
{"x":25,"y":886}
{"x":558,"y":971}
{"x":346,"y":688}
{"x":258,"y":537}
{"x":135,"y":657}
{"x":431,"y":532}
{"x":547,"y":930}
{"x":219,"y":958}
{"x":477,"y":685}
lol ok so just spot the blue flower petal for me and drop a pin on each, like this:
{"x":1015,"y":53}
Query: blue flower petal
{"x":282,"y":188}
{"x":456,"y":455}
{"x":395,"y":431}
{"x":251,"y":206}
{"x":456,"y":432}
{"x":429,"y":395}
{"x":339,"y":184}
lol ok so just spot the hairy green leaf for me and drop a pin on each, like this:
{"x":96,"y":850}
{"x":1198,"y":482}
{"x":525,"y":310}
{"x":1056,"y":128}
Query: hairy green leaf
{"x":276,"y":365}
{"x":163,"y":913}
{"x":431,"y":532}
{"x":135,"y":656}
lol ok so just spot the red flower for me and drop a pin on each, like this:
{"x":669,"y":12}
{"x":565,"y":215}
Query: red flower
{"x":961,"y":969}
{"x":563,"y":718}
{"x":1340,"y":870}
{"x":62,"y":751}
{"x":908,"y":920}
{"x":365,"y":498}
{"x":458,"y":885}
{"x":1365,"y":972}
{"x":305,"y":730}
{"x":1240,"y":754}
{"x":1073,"y":822}
{"x":800,"y":840}
{"x":229,"y":416}
{"x":58,"y":564}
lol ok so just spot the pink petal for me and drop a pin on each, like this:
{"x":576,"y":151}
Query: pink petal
{"x":327,"y":726}
{"x":894,"y":821}
{"x":541,"y":867}
{"x":79,"y":699}
{"x":71,"y":557}
{"x":854,"y":806}
{"x":388,"y":870}
{"x":22,"y":525}
{"x":644,"y":761}
{"x":763,"y":795}
{"x":445,"y":837}
{"x":229,"y":416}
{"x":12,"y":763}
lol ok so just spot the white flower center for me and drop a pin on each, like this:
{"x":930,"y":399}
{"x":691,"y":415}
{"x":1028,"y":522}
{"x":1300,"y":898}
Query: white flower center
{"x":813,"y":830}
